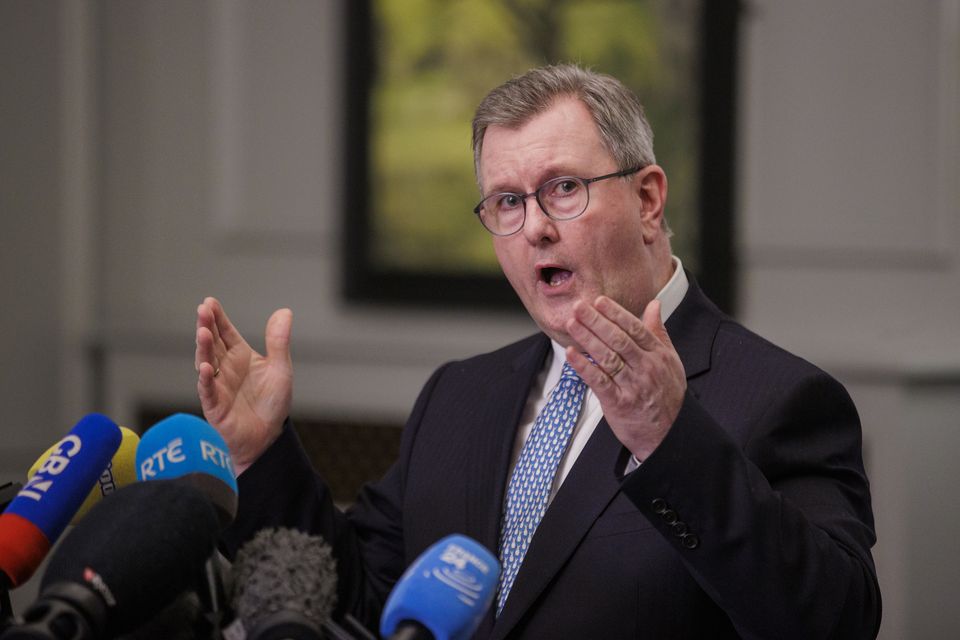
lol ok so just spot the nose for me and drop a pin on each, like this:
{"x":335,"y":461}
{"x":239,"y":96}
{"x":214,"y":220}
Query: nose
{"x":538,"y":227}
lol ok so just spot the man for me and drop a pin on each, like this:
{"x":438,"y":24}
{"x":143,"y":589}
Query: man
{"x":705,"y":483}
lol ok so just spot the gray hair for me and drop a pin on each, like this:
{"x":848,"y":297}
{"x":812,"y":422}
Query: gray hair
{"x":617,"y":112}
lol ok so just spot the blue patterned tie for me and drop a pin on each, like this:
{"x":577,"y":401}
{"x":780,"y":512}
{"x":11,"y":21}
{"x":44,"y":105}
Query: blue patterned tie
{"x":533,"y":475}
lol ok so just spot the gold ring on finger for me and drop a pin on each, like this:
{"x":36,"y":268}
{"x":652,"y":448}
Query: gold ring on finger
{"x":620,"y":365}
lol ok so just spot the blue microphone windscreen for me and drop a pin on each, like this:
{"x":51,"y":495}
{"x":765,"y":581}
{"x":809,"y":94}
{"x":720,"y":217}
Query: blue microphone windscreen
{"x":184,"y":446}
{"x":60,"y":485}
{"x":448,"y":589}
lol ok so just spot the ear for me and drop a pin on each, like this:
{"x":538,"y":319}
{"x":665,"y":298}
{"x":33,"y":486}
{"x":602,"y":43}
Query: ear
{"x":651,"y":186}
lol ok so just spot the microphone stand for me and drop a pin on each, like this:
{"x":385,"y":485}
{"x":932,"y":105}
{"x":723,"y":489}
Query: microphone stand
{"x":358,"y":627}
{"x":214,"y":594}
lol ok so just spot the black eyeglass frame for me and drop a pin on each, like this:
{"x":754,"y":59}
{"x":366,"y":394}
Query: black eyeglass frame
{"x":536,"y":194}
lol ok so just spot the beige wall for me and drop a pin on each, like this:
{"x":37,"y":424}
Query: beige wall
{"x":139,"y":147}
{"x":848,"y":237}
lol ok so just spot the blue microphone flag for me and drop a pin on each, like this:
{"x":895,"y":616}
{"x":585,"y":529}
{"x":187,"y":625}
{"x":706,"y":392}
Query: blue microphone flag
{"x":448,"y":589}
{"x":41,"y":510}
{"x":182,"y":444}
{"x":62,"y":482}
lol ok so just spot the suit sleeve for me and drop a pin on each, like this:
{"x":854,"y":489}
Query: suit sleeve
{"x":777,"y":531}
{"x":282,"y":489}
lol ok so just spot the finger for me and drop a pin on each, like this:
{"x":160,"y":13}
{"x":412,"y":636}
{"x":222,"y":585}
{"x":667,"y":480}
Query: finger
{"x":206,"y":387}
{"x":197,"y":356}
{"x":204,"y":351}
{"x":205,"y":336}
{"x":210,"y":347}
{"x":608,"y":344}
{"x":593,"y":376}
{"x":206,"y":317}
{"x":277,"y":337}
{"x":653,"y":321}
{"x":638,"y":330}
{"x":223,"y":330}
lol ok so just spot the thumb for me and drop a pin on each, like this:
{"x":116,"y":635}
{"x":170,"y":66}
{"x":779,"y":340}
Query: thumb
{"x":654,"y":323}
{"x":277,"y":336}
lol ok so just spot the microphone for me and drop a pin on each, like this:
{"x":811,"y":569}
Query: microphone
{"x":184,"y":446}
{"x":184,"y":450}
{"x":444,"y":594}
{"x":8,"y":491}
{"x":285,"y":586}
{"x":131,"y":557}
{"x":42,"y":509}
{"x":119,"y":472}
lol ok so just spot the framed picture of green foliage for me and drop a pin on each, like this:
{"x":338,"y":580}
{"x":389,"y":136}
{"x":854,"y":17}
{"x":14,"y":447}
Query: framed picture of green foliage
{"x":418,"y":68}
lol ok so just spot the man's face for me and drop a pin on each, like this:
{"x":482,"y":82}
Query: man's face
{"x":606,"y":251}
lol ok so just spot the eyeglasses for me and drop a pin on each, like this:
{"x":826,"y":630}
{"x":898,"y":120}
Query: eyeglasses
{"x":562,"y":198}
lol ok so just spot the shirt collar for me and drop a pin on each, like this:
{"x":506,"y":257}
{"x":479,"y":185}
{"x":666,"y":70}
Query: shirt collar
{"x":673,"y":292}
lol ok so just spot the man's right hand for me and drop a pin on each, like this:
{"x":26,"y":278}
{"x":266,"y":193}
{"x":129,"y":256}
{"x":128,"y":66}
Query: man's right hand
{"x":244,"y":395}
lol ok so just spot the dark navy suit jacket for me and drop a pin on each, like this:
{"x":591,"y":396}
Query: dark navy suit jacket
{"x":752,"y":519}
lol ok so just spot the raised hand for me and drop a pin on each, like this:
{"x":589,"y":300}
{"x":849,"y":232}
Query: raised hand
{"x":244,"y":395}
{"x":636,"y":373}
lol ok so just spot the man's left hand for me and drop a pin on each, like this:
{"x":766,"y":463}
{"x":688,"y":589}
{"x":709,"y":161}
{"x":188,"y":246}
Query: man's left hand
{"x":635,"y":372}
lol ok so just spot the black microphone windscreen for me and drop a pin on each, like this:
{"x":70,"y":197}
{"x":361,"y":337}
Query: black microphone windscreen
{"x":282,"y":571}
{"x":138,"y":550}
{"x":182,"y":619}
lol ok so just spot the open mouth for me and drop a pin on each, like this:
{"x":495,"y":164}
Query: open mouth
{"x":555,"y":276}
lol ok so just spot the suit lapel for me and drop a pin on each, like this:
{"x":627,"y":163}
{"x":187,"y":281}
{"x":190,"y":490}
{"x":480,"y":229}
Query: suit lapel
{"x":489,"y":470}
{"x":692,"y":328}
{"x":503,"y":402}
